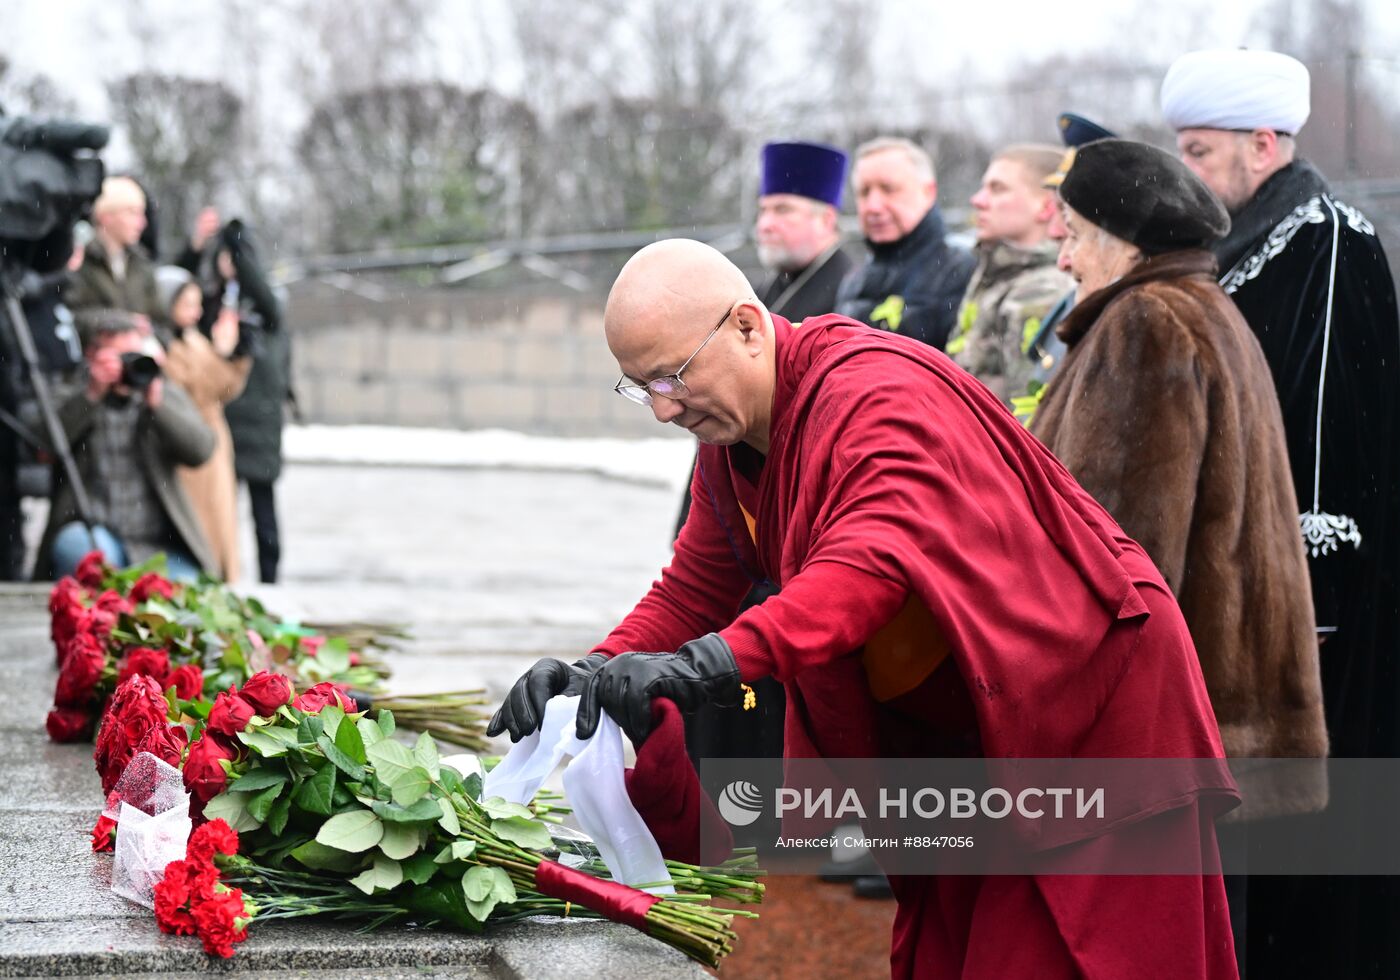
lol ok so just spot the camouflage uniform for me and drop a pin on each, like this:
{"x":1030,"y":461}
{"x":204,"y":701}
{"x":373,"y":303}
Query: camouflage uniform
{"x":1009,"y":295}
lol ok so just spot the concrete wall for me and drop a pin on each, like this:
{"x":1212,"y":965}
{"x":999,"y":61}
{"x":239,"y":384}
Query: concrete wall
{"x":531,"y":359}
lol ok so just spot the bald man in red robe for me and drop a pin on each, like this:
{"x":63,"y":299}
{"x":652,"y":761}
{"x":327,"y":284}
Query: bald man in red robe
{"x":946,"y":589}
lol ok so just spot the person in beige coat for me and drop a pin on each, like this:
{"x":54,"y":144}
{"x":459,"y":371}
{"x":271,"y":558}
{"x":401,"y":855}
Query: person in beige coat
{"x":213,"y":373}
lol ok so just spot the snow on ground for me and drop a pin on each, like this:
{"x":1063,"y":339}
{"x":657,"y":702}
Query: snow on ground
{"x":660,"y":461}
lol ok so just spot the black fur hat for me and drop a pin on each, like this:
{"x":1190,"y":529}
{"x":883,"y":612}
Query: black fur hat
{"x":1144,"y":196}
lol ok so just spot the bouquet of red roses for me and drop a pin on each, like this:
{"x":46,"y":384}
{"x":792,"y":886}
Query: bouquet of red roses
{"x":336,"y":816}
{"x":200,"y":639}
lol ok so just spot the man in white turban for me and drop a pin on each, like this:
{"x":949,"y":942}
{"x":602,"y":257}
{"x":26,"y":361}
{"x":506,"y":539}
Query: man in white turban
{"x":1310,"y":276}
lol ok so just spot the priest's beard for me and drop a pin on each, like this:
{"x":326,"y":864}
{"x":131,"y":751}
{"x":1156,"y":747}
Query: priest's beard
{"x":778,"y":258}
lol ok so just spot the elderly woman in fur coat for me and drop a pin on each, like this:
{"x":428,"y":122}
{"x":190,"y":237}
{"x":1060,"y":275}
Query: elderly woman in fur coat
{"x":1164,"y":410}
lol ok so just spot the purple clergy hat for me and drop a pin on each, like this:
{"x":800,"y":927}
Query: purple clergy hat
{"x":810,"y":169}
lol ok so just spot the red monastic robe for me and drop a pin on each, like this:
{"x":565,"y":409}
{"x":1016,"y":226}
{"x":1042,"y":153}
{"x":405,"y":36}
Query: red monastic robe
{"x":948,"y":589}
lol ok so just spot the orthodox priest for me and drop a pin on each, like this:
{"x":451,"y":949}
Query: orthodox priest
{"x":1310,"y":276}
{"x":902,"y":626}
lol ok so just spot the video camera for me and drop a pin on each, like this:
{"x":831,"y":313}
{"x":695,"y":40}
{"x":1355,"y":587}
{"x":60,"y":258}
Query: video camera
{"x":49,"y":177}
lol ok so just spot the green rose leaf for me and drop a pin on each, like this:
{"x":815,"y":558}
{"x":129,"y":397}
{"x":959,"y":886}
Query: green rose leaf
{"x":262,"y":743}
{"x":317,"y":794}
{"x":522,"y":831}
{"x":471,"y":786}
{"x":425,"y":750}
{"x":331,"y":717}
{"x":381,"y":876}
{"x":309,"y":729}
{"x":449,"y":821}
{"x":424,"y":811}
{"x":260,"y":803}
{"x":319,"y":857}
{"x":341,"y":760}
{"x":356,"y":831}
{"x":277,"y":817}
{"x":478,"y":883}
{"x":409,"y":789}
{"x":496,"y":806}
{"x":369,"y":732}
{"x":386,"y":723}
{"x":256,"y":779}
{"x":333,"y":657}
{"x":400,"y":840}
{"x":392,"y":761}
{"x":419,"y":868}
{"x":232,"y":808}
{"x":458,"y":850}
{"x":349,"y":741}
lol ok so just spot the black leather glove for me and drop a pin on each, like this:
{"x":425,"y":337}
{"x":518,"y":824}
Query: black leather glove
{"x":701,"y":672}
{"x":523,"y":709}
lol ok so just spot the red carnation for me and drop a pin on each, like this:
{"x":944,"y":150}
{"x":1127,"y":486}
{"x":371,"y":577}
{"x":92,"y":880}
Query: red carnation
{"x":165,"y":742}
{"x":230,"y":714}
{"x":150,"y":585}
{"x":266,"y":692}
{"x":69,"y":724}
{"x":214,"y":837}
{"x":186,"y":883}
{"x":83,"y":664}
{"x":222,"y":920}
{"x":144,"y":660}
{"x":104,"y":834}
{"x":137,"y":706}
{"x":91,"y":570}
{"x":188,"y":681}
{"x":313,"y":700}
{"x":205,"y":778}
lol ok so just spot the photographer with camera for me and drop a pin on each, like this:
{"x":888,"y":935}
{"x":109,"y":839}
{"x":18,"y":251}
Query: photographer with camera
{"x":224,"y":261}
{"x":129,"y":428}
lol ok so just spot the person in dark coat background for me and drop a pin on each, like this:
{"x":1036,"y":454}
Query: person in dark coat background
{"x":914,"y":281}
{"x":1311,"y":278}
{"x":225,"y":262}
{"x":799,"y":244}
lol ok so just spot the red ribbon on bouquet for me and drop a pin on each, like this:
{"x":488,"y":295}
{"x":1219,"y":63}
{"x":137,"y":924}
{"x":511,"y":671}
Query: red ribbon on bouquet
{"x":613,"y":900}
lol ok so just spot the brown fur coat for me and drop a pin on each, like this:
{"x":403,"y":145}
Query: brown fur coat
{"x":1164,"y":410}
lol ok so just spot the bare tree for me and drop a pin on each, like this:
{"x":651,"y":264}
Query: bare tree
{"x":184,"y":135}
{"x":415,"y":162}
{"x":36,"y":94}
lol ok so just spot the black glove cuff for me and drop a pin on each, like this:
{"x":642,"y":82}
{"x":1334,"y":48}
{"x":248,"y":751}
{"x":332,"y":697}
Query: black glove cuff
{"x":714,"y":662}
{"x":592,"y":662}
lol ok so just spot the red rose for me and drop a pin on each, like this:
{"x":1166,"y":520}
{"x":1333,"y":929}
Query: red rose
{"x":104,"y":834}
{"x":137,"y":706}
{"x":66,"y":592}
{"x":312,"y":644}
{"x":166,"y":742}
{"x":204,"y":776}
{"x":112,"y":601}
{"x":69,"y":724}
{"x":188,"y":681}
{"x":221,"y":920}
{"x":91,"y":570}
{"x":65,"y":608}
{"x":150,"y":585}
{"x":266,"y":692}
{"x":83,"y":664}
{"x":316,"y":698}
{"x":230,"y":714}
{"x":214,"y":837}
{"x":144,"y":660}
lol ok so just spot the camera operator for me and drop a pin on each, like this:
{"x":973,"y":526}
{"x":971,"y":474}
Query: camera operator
{"x":129,"y":429}
{"x":116,"y":272}
{"x":59,"y":351}
{"x":225,"y":262}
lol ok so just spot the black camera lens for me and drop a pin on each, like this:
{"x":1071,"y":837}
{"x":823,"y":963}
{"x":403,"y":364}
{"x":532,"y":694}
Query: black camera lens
{"x":139,"y":370}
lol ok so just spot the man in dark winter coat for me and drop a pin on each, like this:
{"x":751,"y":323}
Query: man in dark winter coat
{"x":1310,"y":276}
{"x":116,"y":273}
{"x":914,"y":280}
{"x":226,"y":264}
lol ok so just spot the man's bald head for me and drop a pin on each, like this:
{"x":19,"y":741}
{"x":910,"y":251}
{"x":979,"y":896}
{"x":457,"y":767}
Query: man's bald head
{"x":665,"y":302}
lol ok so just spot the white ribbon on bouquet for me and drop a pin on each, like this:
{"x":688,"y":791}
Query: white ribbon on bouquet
{"x":594,"y":786}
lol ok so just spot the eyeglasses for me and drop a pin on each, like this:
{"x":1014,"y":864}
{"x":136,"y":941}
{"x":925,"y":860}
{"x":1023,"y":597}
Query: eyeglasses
{"x":668,"y":386}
